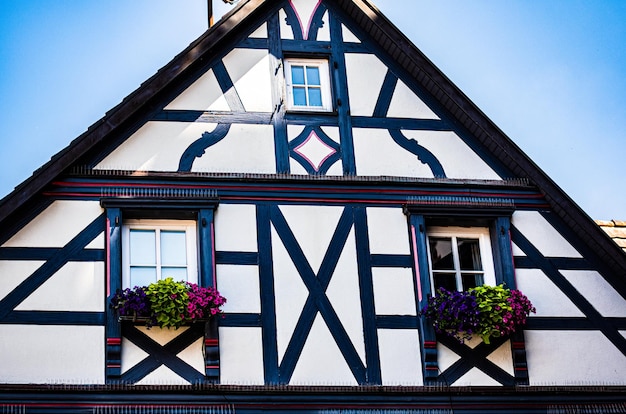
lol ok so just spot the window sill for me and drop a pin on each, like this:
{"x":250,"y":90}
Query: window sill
{"x":143,"y":320}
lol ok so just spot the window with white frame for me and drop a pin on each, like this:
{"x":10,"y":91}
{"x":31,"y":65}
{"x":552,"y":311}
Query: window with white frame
{"x":460,"y":258}
{"x":308,"y":85}
{"x":157,"y":249}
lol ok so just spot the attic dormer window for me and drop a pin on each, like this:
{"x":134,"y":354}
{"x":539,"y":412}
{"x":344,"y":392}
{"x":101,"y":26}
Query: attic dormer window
{"x":308,"y":85}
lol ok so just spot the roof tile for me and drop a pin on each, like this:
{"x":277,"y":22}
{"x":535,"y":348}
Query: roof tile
{"x":616,"y":229}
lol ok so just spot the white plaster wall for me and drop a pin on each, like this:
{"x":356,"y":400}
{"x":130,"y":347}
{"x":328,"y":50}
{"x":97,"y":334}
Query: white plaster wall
{"x":475,"y":377}
{"x":285,"y":31}
{"x":260,"y":32}
{"x":343,"y":292}
{"x":388,"y":231}
{"x":246,"y":149}
{"x":323,"y":33}
{"x":573,"y":358}
{"x":192,"y":355}
{"x":313,"y":227}
{"x":598,"y":292}
{"x":56,"y":225}
{"x":204,"y":94}
{"x":97,"y":243}
{"x":502,"y":357}
{"x":366,"y":74}
{"x":376,"y":154}
{"x":333,"y":133}
{"x":314,"y":150}
{"x":76,"y":287}
{"x":52,"y":354}
{"x":406,"y":104}
{"x":321,"y":361}
{"x":458,"y":160}
{"x":241,"y":356}
{"x":542,"y":235}
{"x":132,"y":355}
{"x":348,"y":36}
{"x":516,"y":250}
{"x":544,"y":294}
{"x":290,"y":294}
{"x":445,"y":357}
{"x":156,"y":146}
{"x":240,"y":286}
{"x":14,"y":272}
{"x":162,"y":376}
{"x":249,"y":69}
{"x":305,"y":10}
{"x":235,"y":228}
{"x":400,"y":358}
{"x":394,"y":293}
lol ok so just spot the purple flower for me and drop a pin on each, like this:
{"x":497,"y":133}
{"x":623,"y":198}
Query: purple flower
{"x":486,"y":310}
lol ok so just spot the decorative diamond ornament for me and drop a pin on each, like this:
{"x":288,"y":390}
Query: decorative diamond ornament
{"x":314,"y":151}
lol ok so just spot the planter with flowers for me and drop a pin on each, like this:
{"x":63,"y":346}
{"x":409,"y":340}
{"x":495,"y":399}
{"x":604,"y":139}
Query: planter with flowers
{"x":167,"y":304}
{"x":486,"y":311}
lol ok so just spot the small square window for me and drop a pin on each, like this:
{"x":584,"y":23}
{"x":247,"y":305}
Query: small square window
{"x":308,"y":85}
{"x":157,"y":249}
{"x":460,"y":258}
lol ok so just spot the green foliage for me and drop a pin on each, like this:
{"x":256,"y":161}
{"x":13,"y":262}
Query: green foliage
{"x":488,"y":311}
{"x":495,"y":310}
{"x":168,"y":300}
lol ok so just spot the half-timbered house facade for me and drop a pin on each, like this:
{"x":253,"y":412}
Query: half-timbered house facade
{"x":307,"y":160}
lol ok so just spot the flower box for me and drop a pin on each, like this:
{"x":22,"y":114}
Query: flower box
{"x":167,"y":304}
{"x":487,"y":311}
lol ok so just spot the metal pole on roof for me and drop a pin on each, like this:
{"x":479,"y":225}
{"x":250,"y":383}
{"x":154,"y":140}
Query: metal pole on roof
{"x":210,"y":11}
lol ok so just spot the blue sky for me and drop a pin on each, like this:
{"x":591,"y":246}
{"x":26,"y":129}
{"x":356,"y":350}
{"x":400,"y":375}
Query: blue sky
{"x":550,"y":74}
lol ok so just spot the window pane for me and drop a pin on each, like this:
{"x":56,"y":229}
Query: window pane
{"x":471,"y":280}
{"x":176,"y":273}
{"x":173,"y":248}
{"x":441,"y":253}
{"x":313,"y":75}
{"x":299,"y":96}
{"x":297,"y":75}
{"x":142,"y":247}
{"x":315,"y":97}
{"x":142,"y":276}
{"x":445,"y":280}
{"x":469,"y":254}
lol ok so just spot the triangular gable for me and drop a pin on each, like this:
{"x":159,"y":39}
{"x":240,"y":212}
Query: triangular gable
{"x":419,"y":92}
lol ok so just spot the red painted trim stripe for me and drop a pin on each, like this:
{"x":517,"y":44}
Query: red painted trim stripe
{"x":211,"y":342}
{"x":213,"y":254}
{"x":316,"y":189}
{"x":114,"y":341}
{"x":108,"y":257}
{"x":302,"y":199}
{"x":416,"y":264}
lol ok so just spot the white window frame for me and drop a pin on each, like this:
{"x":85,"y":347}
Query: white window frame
{"x":322,"y":64}
{"x":484,"y":243}
{"x":189,"y":226}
